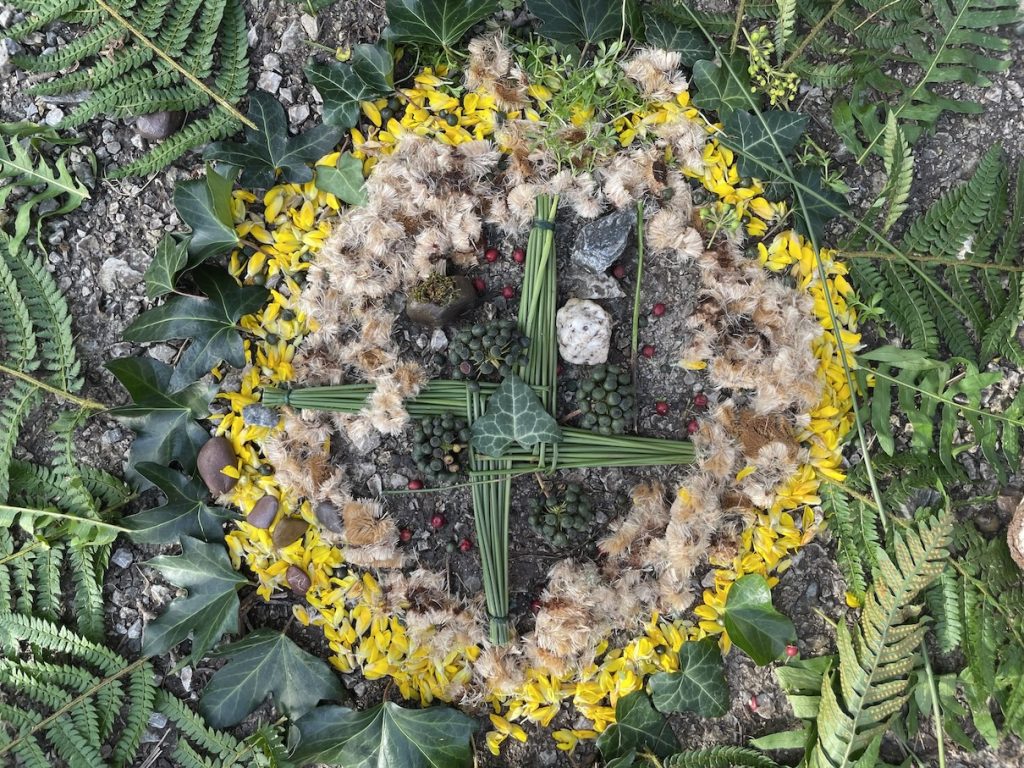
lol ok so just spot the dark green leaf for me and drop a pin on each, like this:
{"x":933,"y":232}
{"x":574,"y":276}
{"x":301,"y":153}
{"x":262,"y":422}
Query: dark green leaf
{"x":752,"y":622}
{"x":344,"y":180}
{"x":266,"y":662}
{"x":514,"y":414}
{"x":699,"y":685}
{"x":205,"y":205}
{"x":794,"y":739}
{"x":582,"y":21}
{"x":210,"y":323}
{"x":270,"y":151}
{"x":637,"y":727}
{"x":170,"y":258}
{"x":386,"y":736}
{"x":813,"y":212}
{"x":762,"y":142}
{"x":720,"y":90}
{"x":435,"y":22}
{"x":162,"y":417}
{"x":691,"y":44}
{"x":208,"y":611}
{"x":343,"y":85}
{"x":185,"y":513}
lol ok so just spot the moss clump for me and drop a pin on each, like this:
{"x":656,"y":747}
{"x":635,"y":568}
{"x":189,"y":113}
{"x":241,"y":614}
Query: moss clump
{"x":436,"y":289}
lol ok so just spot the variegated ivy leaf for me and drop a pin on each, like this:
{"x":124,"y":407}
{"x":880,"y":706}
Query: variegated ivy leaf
{"x":514,"y":415}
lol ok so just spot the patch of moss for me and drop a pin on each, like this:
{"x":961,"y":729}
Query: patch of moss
{"x":436,"y":289}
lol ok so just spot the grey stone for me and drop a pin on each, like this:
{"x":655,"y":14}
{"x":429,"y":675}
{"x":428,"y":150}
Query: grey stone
{"x":599,"y":243}
{"x":329,"y":516}
{"x":263,"y":513}
{"x":584,"y":284}
{"x":185,"y":676}
{"x":269,"y":82}
{"x":159,"y":125}
{"x":272,"y":61}
{"x":547,"y":757}
{"x":134,"y":632}
{"x":165,"y":353}
{"x":114,"y":147}
{"x":584,"y":332}
{"x":438,"y":341}
{"x":310,"y":25}
{"x":812,"y":590}
{"x":122,"y":558}
{"x":375,"y":485}
{"x":5,"y":58}
{"x":54,"y":116}
{"x":157,"y":720}
{"x":117,"y":274}
{"x":298,"y":113}
{"x":292,"y":38}
{"x":256,"y":415}
{"x":398,"y":481}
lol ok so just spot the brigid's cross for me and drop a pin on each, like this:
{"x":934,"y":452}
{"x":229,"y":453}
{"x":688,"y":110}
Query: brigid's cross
{"x":491,"y":476}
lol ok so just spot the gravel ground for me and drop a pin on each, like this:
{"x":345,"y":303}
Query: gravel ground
{"x":99,"y":252}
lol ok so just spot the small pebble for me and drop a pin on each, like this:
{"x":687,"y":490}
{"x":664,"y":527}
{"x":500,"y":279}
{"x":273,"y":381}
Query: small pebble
{"x":122,"y":558}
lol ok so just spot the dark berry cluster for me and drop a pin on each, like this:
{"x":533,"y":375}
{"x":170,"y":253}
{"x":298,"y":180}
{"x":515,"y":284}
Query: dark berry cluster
{"x":438,"y":445}
{"x":488,"y":348}
{"x":606,"y":399}
{"x":559,"y":519}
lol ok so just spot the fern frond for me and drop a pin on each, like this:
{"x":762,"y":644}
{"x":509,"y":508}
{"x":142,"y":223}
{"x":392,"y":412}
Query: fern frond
{"x":16,"y":628}
{"x":87,"y":576}
{"x":850,"y":555}
{"x":141,"y":695}
{"x":899,"y":172}
{"x":877,"y":655}
{"x":44,"y":14}
{"x":721,"y":757}
{"x":48,"y":583}
{"x":784,"y":23}
{"x":902,"y":298}
{"x":944,"y":605}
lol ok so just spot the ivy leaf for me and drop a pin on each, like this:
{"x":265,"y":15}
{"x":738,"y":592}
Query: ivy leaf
{"x":162,"y":417}
{"x":814,"y":213}
{"x":435,"y":22}
{"x":185,"y":513}
{"x":208,"y":610}
{"x":762,"y":147}
{"x":582,"y":21}
{"x":689,"y":43}
{"x":205,"y":205}
{"x":266,"y":662}
{"x":343,"y":85}
{"x":209,"y":322}
{"x":753,"y":623}
{"x":162,"y":273}
{"x":270,"y":151}
{"x":720,"y":90}
{"x":387,"y":736}
{"x":514,"y":414}
{"x":637,"y":728}
{"x":699,"y":685}
{"x":343,"y":180}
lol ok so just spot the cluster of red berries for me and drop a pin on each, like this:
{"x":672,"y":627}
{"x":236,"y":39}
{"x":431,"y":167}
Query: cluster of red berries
{"x":437,"y":522}
{"x":491,"y":255}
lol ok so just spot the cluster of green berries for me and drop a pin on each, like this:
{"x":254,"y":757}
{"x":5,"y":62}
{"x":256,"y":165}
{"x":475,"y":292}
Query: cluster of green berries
{"x":606,"y":399}
{"x":488,"y":348}
{"x":780,"y":86}
{"x":556,"y":520}
{"x":438,"y":443}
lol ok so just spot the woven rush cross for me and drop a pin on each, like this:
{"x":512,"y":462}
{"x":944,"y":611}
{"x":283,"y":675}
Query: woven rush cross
{"x":491,"y":475}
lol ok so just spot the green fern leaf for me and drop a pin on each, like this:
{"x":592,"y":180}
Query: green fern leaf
{"x":899,"y":172}
{"x":851,"y":558}
{"x":784,"y":24}
{"x":944,"y":605}
{"x":721,"y":757}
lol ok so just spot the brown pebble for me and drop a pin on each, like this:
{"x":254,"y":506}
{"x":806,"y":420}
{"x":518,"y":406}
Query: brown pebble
{"x":216,"y":454}
{"x":288,"y":531}
{"x":159,"y":125}
{"x":263,"y":513}
{"x":297,"y":579}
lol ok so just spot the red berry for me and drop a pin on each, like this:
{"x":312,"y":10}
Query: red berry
{"x":753,"y":704}
{"x":535,"y":606}
{"x":647,"y":351}
{"x":405,"y":534}
{"x":658,"y":310}
{"x":700,"y":400}
{"x":519,"y":256}
{"x":465,"y":545}
{"x":692,"y":426}
{"x":491,"y":254}
{"x":415,"y":484}
{"x":661,"y":407}
{"x":792,"y":650}
{"x":619,"y":271}
{"x":479,"y":284}
{"x":508,"y":291}
{"x":560,"y":369}
{"x":437,"y":521}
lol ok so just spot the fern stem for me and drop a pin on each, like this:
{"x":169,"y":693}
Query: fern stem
{"x":984,"y":265}
{"x":736,"y":28}
{"x":635,"y":338}
{"x":947,"y":400}
{"x":137,"y":33}
{"x":20,"y":553}
{"x":936,"y":712}
{"x":82,"y":402}
{"x":60,"y":712}
{"x":812,"y":34}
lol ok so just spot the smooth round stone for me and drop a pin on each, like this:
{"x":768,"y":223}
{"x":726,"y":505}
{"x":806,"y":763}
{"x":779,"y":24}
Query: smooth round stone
{"x":329,"y":517}
{"x":263,"y":514}
{"x":288,"y":531}
{"x":217,"y":454}
{"x":298,"y":580}
{"x":159,"y":125}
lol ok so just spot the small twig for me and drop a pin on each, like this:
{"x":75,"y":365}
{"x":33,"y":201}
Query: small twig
{"x":82,"y":402}
{"x":986,"y":265}
{"x":812,"y":34}
{"x":138,"y":34}
{"x":936,"y":712}
{"x":736,"y":28}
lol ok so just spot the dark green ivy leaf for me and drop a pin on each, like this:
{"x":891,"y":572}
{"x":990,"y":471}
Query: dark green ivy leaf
{"x":812,"y":212}
{"x":514,"y":414}
{"x":691,"y":44}
{"x":208,"y":610}
{"x":762,"y":142}
{"x":266,"y":662}
{"x":699,"y":685}
{"x":185,"y":513}
{"x":343,"y":85}
{"x":344,"y":180}
{"x":209,"y":322}
{"x":170,"y":258}
{"x":435,"y":22}
{"x":386,"y":736}
{"x":583,"y":21}
{"x":162,"y":417}
{"x":270,"y":151}
{"x":720,"y":90}
{"x":205,"y":205}
{"x":753,"y":624}
{"x":637,"y":728}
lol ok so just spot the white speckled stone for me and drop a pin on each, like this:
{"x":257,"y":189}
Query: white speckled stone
{"x":584,"y":332}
